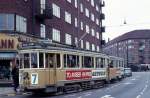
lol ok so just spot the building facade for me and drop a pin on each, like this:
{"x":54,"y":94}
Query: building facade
{"x":133,"y":46}
{"x":76,"y":23}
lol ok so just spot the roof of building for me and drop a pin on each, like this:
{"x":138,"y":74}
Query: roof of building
{"x":136,"y":34}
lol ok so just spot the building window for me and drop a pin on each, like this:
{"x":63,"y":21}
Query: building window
{"x":87,"y":45}
{"x":56,"y":35}
{"x":92,"y":17}
{"x":43,"y":35}
{"x":93,"y":32}
{"x":21,"y":24}
{"x":43,"y":5}
{"x":87,"y":29}
{"x":76,"y":3}
{"x":92,"y":2}
{"x":56,"y":10}
{"x":97,"y":21}
{"x":87,"y":13}
{"x":76,"y":22}
{"x":97,"y":35}
{"x":7,"y":22}
{"x":93,"y":47}
{"x":68,"y":39}
{"x":97,"y":8}
{"x":81,"y":25}
{"x":67,"y":17}
{"x":69,"y":1}
{"x":76,"y":40}
{"x":82,"y":44}
{"x":98,"y":48}
{"x":81,"y":7}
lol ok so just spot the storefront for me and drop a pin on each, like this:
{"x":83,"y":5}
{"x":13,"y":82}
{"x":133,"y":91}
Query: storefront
{"x":8,"y":53}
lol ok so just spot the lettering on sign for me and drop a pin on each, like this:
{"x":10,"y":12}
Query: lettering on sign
{"x":98,"y":73}
{"x":7,"y":43}
{"x":78,"y":74}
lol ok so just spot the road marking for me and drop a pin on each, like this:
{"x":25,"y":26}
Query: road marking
{"x":127,"y":83}
{"x":107,"y":96}
{"x":70,"y":95}
{"x":138,"y":96}
{"x":87,"y":94}
{"x":134,"y":79}
{"x":142,"y":92}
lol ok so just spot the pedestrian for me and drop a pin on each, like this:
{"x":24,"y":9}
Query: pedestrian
{"x":15,"y":76}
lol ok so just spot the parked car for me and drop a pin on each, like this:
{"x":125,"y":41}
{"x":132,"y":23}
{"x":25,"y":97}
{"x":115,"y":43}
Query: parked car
{"x":127,"y":72}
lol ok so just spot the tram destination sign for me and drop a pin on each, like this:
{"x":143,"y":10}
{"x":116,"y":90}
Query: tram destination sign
{"x":78,"y":74}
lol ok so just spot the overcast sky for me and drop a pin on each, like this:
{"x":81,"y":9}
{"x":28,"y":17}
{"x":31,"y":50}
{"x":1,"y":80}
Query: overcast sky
{"x":135,"y":12}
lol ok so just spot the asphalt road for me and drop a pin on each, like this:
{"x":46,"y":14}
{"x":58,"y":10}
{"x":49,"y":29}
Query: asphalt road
{"x":137,"y":86}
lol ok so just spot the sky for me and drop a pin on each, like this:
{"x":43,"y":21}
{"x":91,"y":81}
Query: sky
{"x":136,"y":13}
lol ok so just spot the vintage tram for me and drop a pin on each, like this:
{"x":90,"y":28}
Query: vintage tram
{"x":58,"y":69}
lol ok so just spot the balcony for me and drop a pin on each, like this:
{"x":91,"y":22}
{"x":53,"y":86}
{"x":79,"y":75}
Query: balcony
{"x":103,"y":29}
{"x":44,"y":13}
{"x":102,"y":16}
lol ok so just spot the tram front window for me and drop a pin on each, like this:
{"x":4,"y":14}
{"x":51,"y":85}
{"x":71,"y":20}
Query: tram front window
{"x":34,"y":60}
{"x":52,"y":59}
{"x":26,"y":60}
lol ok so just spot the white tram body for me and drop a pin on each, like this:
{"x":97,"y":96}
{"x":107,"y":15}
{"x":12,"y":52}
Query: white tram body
{"x":61,"y":69}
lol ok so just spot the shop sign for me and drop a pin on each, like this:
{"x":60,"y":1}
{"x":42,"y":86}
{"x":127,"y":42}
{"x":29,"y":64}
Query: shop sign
{"x":8,"y":42}
{"x":78,"y":74}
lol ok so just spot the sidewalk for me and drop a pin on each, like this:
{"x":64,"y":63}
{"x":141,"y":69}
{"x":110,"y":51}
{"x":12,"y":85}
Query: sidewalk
{"x":7,"y":91}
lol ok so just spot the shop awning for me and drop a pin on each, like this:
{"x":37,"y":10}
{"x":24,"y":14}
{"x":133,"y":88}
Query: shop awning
{"x":7,"y":56}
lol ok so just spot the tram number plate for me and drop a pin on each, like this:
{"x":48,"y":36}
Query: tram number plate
{"x":34,"y":78}
{"x":78,"y":74}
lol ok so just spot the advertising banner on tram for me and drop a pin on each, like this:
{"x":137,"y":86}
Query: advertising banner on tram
{"x":78,"y":74}
{"x":101,"y":73}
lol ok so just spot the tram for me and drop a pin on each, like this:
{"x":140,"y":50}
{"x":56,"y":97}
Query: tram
{"x":116,"y":68}
{"x":54,"y":69}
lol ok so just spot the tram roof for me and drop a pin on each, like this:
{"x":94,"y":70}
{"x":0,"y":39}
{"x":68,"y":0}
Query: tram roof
{"x":58,"y":48}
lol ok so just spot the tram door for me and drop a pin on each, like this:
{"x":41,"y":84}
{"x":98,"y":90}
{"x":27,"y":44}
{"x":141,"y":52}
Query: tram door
{"x":51,"y":62}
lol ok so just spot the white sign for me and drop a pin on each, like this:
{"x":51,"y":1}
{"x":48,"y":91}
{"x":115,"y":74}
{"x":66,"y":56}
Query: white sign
{"x":34,"y":78}
{"x":101,"y":73}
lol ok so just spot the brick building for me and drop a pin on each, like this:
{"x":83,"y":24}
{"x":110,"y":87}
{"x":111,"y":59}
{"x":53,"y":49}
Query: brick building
{"x":134,"y":46}
{"x":75,"y":23}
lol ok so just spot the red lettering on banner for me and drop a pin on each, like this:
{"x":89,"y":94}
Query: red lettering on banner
{"x":78,"y":74}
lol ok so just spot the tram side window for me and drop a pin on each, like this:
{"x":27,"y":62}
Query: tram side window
{"x":21,"y":61}
{"x":102,"y":62}
{"x":88,"y":62}
{"x":98,"y":63}
{"x":26,"y":60}
{"x":71,"y":61}
{"x":34,"y":60}
{"x":111,"y":64}
{"x":58,"y":60}
{"x":41,"y":60}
